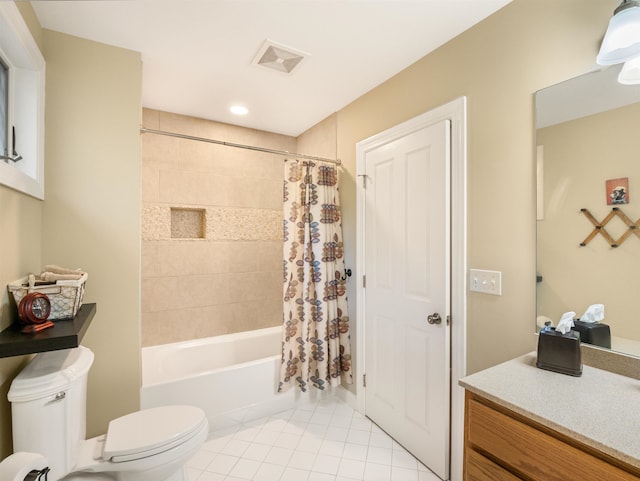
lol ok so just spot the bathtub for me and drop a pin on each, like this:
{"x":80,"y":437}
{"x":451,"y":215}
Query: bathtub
{"x":233,"y":377}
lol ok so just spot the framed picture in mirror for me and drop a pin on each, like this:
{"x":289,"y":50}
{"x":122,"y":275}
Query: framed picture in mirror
{"x":617,"y":191}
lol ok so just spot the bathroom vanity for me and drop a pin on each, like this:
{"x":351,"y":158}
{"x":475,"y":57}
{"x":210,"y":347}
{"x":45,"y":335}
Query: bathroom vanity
{"x":522,"y":422}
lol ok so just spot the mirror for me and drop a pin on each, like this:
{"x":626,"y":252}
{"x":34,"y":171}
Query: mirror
{"x":588,"y":150}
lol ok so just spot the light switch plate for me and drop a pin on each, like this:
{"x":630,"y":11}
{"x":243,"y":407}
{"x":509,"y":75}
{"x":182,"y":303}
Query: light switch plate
{"x":486,"y":282}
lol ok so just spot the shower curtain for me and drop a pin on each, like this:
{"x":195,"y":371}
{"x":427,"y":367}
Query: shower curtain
{"x":315,"y":339}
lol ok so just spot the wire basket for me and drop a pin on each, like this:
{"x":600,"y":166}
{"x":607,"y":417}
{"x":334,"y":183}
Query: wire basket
{"x":65,"y":296}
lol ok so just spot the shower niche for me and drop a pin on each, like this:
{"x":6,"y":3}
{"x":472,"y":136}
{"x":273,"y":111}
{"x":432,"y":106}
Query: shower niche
{"x":188,"y":223}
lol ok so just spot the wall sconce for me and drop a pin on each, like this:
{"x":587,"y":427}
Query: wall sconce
{"x":622,"y":40}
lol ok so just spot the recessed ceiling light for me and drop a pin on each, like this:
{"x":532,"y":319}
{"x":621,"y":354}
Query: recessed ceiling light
{"x":239,"y":110}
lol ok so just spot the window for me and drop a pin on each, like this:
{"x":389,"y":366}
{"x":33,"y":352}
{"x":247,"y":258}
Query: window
{"x":22,"y":78}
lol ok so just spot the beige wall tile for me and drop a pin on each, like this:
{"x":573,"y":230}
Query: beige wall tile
{"x":221,"y":160}
{"x":217,"y":190}
{"x":156,"y":222}
{"x":193,"y":156}
{"x":158,"y":327}
{"x":159,"y":294}
{"x":177,"y":186}
{"x":271,"y":256}
{"x":160,"y":149}
{"x":211,"y":321}
{"x":202,"y":290}
{"x":262,"y":166}
{"x":150,"y":182}
{"x":184,"y":324}
{"x":211,"y":257}
{"x":269,"y":194}
{"x":175,"y":258}
{"x":248,"y":193}
{"x":244,"y":224}
{"x":150,"y":119}
{"x":254,"y":286}
{"x":190,"y":285}
{"x":149,"y":260}
{"x":180,"y":124}
{"x":248,"y":316}
{"x":244,"y":256}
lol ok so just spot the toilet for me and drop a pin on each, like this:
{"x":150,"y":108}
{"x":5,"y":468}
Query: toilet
{"x":48,"y":409}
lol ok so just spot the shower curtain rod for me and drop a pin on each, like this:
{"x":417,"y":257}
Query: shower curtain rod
{"x":285,"y":153}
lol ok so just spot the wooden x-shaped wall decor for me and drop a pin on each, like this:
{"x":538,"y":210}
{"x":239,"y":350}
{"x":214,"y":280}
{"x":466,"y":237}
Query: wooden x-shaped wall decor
{"x":633,"y":227}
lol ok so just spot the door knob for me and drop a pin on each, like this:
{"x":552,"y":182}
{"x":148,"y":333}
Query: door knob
{"x":434,"y":318}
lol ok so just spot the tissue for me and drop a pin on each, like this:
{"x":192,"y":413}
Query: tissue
{"x":566,"y":322}
{"x":594,"y":313}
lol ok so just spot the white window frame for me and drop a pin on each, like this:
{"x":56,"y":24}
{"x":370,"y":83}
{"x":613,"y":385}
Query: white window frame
{"x":21,"y":54}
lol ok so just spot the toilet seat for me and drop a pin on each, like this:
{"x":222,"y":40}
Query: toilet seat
{"x":151,"y":431}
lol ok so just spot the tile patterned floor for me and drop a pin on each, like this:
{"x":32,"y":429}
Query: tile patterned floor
{"x":324,"y":441}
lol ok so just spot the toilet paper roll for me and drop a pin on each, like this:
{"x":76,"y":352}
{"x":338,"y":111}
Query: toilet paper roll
{"x":18,"y":466}
{"x":541,"y":321}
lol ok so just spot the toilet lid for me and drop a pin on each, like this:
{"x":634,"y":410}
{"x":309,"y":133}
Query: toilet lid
{"x":150,"y":431}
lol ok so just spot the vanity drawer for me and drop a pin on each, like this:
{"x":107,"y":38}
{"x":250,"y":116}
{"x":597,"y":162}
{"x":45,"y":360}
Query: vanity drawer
{"x":479,"y":468}
{"x":529,"y":452}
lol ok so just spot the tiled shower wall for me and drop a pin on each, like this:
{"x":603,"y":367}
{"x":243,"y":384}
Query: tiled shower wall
{"x":218,"y":268}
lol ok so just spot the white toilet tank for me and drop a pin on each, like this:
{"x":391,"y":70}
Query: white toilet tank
{"x":48,"y":407}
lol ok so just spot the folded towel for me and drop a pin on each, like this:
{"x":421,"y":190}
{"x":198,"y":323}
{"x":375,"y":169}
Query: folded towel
{"x":53,"y":273}
{"x":52,"y":277}
{"x":62,"y":270}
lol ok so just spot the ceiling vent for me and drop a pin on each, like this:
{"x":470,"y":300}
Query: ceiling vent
{"x":278,"y":57}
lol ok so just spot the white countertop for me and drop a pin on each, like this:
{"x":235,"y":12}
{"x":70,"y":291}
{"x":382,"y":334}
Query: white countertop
{"x":599,"y":409}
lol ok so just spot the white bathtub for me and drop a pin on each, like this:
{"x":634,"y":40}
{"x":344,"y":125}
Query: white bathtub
{"x":233,"y":378}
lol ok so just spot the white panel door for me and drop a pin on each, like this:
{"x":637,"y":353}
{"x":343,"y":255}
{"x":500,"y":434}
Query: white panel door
{"x":407,"y":262}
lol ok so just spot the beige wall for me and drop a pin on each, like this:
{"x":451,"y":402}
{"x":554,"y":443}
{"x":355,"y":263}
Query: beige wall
{"x":31,"y":19}
{"x":91,"y":213}
{"x":578,"y":159}
{"x":230,"y":280}
{"x":20,"y":241}
{"x":90,"y":217}
{"x":498,"y":65}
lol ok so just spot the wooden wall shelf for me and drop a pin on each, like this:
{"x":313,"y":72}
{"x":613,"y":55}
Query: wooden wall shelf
{"x":632,"y":227}
{"x":64,"y":335}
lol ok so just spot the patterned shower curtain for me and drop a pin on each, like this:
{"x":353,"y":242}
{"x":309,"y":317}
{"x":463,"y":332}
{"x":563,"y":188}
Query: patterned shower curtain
{"x":315,"y":337}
